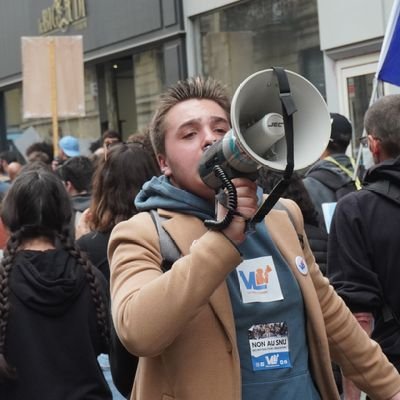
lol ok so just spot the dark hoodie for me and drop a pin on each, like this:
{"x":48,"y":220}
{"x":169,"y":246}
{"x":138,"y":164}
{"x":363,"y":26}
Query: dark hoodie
{"x":364,"y":254}
{"x":52,"y":336}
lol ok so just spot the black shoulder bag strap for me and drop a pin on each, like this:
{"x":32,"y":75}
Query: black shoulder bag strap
{"x":169,"y":250}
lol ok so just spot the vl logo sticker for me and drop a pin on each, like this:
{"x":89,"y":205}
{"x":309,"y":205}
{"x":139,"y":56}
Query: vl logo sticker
{"x":258,"y":280}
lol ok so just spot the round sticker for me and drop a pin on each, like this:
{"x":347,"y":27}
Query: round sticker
{"x":301,"y":265}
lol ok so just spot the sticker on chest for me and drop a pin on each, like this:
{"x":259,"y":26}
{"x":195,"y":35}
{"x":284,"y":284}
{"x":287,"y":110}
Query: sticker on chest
{"x":269,"y":346}
{"x":259,"y":280}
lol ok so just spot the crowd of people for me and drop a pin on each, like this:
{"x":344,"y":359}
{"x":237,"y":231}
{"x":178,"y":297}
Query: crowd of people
{"x":84,"y":266}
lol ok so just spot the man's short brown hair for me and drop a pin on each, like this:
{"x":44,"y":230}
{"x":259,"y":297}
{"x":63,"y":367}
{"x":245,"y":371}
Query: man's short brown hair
{"x":191,"y":88}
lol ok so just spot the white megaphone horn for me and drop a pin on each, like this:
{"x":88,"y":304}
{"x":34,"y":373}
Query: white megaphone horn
{"x":279,"y":120}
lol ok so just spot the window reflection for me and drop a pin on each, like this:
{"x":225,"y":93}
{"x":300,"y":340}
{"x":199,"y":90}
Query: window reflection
{"x":245,"y":38}
{"x":359,"y":90}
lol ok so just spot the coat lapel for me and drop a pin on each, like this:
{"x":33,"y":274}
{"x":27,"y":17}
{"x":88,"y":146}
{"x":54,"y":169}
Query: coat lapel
{"x":285,"y":238}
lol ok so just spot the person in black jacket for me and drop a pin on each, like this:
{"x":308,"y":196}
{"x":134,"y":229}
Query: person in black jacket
{"x":331,"y":177}
{"x":364,"y":251}
{"x":54,"y":318}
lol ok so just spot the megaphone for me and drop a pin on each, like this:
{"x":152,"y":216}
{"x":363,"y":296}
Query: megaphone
{"x":262,"y":114}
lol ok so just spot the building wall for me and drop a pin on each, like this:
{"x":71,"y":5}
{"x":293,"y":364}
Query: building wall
{"x":109,"y":27}
{"x":349,"y":29}
{"x":148,"y":32}
{"x":195,"y":7}
{"x":344,"y":22}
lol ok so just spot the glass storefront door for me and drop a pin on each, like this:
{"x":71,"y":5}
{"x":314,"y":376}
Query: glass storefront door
{"x":355,"y":85}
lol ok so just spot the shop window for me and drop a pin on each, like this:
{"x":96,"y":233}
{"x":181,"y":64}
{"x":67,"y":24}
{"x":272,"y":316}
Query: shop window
{"x":128,"y":91}
{"x":239,"y":40}
{"x":13,"y":104}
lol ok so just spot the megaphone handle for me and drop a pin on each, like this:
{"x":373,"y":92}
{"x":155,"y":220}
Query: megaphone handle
{"x":231,"y":205}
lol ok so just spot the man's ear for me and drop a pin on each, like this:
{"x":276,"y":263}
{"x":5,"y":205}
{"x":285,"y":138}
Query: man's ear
{"x":375,"y":146}
{"x":163,"y":163}
{"x":69,"y":186}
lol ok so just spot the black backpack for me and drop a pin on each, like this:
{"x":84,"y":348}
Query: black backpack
{"x":333,"y":183}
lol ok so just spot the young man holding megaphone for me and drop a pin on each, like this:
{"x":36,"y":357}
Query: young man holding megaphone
{"x":243,"y":313}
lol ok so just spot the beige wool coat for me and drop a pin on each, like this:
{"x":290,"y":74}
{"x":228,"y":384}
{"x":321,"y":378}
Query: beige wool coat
{"x":181,"y":323}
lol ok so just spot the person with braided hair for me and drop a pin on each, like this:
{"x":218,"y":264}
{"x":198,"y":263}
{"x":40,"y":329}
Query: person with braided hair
{"x":54,"y":319}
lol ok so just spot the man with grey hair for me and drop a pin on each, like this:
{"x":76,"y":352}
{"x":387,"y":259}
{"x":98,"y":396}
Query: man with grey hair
{"x":364,"y":250}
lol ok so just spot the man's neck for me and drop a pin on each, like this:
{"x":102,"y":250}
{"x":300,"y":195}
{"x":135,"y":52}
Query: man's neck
{"x":325,"y":154}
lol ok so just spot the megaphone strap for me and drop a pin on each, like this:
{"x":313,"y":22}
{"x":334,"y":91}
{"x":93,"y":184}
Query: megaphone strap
{"x":270,"y":201}
{"x":288,"y":104}
{"x":288,"y":109}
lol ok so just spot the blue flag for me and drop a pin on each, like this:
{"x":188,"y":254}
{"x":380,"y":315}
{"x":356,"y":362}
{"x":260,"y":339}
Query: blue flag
{"x":389,"y":59}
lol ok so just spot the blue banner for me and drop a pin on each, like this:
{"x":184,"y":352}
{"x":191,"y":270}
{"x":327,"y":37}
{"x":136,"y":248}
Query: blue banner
{"x":389,"y":60}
